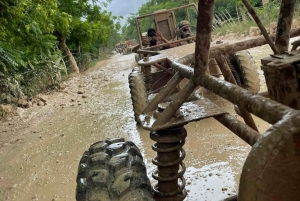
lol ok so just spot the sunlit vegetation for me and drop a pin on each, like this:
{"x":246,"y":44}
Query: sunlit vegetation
{"x":42,"y":40}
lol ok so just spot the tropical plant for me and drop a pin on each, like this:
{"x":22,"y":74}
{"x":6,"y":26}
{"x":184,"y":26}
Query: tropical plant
{"x":31,"y":31}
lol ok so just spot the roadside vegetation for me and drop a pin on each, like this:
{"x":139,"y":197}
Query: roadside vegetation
{"x":240,"y":21}
{"x":42,"y":42}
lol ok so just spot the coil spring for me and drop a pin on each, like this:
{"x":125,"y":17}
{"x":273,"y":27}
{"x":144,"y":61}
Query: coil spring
{"x":147,"y":77}
{"x":171,"y":176}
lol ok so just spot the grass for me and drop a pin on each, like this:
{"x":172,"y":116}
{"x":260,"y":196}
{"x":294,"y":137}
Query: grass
{"x":239,"y":27}
{"x":266,"y":16}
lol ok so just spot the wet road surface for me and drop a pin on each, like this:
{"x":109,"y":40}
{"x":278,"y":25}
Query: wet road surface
{"x":41,"y":147}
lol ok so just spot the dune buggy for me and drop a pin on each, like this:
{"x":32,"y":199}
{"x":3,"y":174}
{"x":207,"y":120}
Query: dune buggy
{"x":146,"y":81}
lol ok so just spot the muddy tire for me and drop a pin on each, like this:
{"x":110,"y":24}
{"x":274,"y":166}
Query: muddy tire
{"x":246,"y":73}
{"x":112,"y":170}
{"x":138,"y":93}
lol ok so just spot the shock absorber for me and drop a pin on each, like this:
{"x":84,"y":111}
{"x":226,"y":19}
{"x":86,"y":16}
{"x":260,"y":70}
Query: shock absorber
{"x":170,"y":154}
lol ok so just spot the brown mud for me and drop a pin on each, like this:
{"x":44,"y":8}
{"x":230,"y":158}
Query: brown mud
{"x":40,"y":147}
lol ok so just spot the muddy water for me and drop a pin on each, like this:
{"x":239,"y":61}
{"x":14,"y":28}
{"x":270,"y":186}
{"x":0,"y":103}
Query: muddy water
{"x":41,"y":147}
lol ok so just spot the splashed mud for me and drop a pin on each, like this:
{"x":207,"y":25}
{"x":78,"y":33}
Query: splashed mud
{"x":41,"y":147}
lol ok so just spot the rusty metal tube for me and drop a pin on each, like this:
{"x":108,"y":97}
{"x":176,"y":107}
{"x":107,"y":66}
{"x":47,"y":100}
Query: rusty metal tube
{"x":229,"y":77}
{"x":215,"y":51}
{"x":260,"y":26}
{"x":169,"y":42}
{"x":203,"y":37}
{"x":264,"y":94}
{"x":163,"y":68}
{"x":222,"y":63}
{"x":179,"y":99}
{"x":243,"y":45}
{"x":164,"y":92}
{"x":170,"y":10}
{"x":247,"y":134}
{"x":271,"y":112}
{"x":138,"y":31}
{"x":284,"y":25}
{"x":144,"y":51}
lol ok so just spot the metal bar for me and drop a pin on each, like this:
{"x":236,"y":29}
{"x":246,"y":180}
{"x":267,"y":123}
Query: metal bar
{"x":247,"y":118}
{"x":163,"y":68}
{"x":229,"y":77}
{"x":284,"y":25}
{"x":167,"y":11}
{"x":222,"y":63}
{"x":187,"y":14}
{"x":260,"y":26}
{"x":179,"y":99}
{"x":243,"y":45}
{"x":247,"y":134}
{"x":170,"y":42}
{"x":138,"y":31}
{"x":264,"y":94}
{"x":144,"y":51}
{"x":271,"y":112}
{"x":203,"y":37}
{"x":217,"y":50}
{"x":164,"y":92}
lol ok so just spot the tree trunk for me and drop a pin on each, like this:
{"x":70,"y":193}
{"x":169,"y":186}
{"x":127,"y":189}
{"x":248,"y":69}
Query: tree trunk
{"x":78,"y":48}
{"x":66,"y":52}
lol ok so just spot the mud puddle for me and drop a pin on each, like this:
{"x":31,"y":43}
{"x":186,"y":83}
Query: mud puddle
{"x":41,"y":148}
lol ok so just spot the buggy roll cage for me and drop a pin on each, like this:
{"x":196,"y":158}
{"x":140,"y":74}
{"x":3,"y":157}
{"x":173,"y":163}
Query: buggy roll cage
{"x":277,"y":150}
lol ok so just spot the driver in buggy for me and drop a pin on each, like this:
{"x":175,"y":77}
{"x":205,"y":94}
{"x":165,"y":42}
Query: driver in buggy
{"x":184,"y":30}
{"x":155,"y":38}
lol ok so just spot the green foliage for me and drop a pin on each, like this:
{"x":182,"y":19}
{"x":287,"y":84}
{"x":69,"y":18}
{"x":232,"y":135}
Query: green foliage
{"x":27,"y":43}
{"x":267,"y":14}
{"x":9,"y":60}
{"x":91,"y":26}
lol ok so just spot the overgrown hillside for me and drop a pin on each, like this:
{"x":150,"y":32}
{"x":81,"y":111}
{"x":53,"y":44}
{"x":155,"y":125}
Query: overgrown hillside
{"x":42,"y":42}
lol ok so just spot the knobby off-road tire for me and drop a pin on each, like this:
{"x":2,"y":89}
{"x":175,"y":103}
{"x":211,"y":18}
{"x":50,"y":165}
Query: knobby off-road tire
{"x":138,"y":92}
{"x":246,"y":71}
{"x":112,"y":170}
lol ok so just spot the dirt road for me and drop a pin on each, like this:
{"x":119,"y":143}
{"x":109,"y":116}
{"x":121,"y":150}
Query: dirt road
{"x":41,"y":146}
